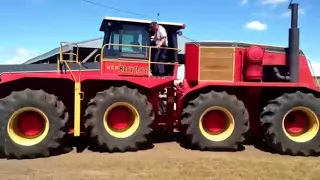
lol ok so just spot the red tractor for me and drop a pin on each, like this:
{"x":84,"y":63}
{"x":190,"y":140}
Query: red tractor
{"x":231,"y":91}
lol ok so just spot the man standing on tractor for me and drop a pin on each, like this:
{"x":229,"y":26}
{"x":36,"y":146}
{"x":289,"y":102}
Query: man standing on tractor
{"x":160,"y":52}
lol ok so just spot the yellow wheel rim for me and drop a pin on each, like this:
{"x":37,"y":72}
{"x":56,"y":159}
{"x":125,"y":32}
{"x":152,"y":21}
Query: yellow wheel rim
{"x":300,"y":124}
{"x":216,"y":123}
{"x":121,"y":120}
{"x":28,"y":126}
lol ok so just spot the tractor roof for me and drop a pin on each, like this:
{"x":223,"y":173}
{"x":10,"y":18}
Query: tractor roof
{"x":138,"y":21}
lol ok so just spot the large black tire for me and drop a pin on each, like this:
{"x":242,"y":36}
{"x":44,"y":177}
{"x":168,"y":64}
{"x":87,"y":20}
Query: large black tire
{"x":50,"y":106}
{"x":191,"y":119}
{"x":273,"y":116}
{"x":94,"y":123}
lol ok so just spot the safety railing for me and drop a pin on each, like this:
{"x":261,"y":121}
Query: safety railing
{"x":312,"y":71}
{"x":148,"y":60}
{"x":66,"y":62}
{"x":95,"y":58}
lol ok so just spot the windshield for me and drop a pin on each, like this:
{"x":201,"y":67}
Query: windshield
{"x":131,"y":35}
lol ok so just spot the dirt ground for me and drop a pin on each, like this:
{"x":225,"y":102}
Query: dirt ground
{"x":166,"y":161}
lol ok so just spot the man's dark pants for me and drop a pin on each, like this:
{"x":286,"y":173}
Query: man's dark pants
{"x":158,"y":55}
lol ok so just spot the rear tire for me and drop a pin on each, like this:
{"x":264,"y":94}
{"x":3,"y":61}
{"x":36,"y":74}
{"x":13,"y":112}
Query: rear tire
{"x":103,"y":137}
{"x":221,"y":101}
{"x":18,"y":146}
{"x":274,"y":116}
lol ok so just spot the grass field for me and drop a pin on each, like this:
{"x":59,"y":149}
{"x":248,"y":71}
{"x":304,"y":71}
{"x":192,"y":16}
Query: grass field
{"x":166,"y":161}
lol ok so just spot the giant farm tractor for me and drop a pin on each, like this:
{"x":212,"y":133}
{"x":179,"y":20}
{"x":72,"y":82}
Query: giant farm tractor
{"x":230,"y":91}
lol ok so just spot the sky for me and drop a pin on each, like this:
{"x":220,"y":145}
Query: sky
{"x":33,"y":27}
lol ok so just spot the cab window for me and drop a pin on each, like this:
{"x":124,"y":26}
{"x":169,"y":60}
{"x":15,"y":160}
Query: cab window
{"x":125,"y":42}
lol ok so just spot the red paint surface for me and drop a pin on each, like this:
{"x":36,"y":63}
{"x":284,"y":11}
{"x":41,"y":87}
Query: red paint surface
{"x":125,"y":68}
{"x":91,"y":75}
{"x":255,"y":53}
{"x":252,"y":100}
{"x":253,"y":58}
{"x":191,"y":62}
{"x":215,"y":121}
{"x":305,"y":76}
{"x":272,"y":58}
{"x":120,"y":118}
{"x":296,"y":122}
{"x":30,"y":123}
{"x":170,"y":100}
{"x":253,"y":72}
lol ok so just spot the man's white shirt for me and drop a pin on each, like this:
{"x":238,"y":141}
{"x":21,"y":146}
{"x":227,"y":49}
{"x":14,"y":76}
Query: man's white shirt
{"x":160,"y":34}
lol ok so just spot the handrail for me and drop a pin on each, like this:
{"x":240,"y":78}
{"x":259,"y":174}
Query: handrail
{"x":61,"y":60}
{"x":141,"y":61}
{"x":316,"y":79}
{"x":95,"y":58}
{"x":77,"y":83}
{"x":68,"y":67}
{"x":133,"y":45}
{"x":138,"y":61}
{"x":69,"y":43}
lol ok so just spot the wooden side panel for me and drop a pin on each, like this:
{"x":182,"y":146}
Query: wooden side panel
{"x":216,"y":64}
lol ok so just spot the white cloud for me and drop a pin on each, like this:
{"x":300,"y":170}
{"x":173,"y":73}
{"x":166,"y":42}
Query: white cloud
{"x":244,"y":2}
{"x":21,"y":55}
{"x":256,"y":25}
{"x":273,"y":2}
{"x":302,"y":11}
{"x":288,"y":13}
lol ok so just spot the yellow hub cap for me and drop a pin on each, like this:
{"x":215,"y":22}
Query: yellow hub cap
{"x":121,"y":120}
{"x":300,"y":124}
{"x":28,"y":126}
{"x":216,"y":123}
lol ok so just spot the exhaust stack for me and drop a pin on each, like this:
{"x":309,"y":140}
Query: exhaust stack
{"x":294,"y":49}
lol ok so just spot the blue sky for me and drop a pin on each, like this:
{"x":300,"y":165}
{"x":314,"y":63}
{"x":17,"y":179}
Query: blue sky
{"x":32,"y":27}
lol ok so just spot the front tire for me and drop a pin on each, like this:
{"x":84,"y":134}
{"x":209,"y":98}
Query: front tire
{"x":32,"y":124}
{"x":291,"y":124}
{"x":111,"y":133}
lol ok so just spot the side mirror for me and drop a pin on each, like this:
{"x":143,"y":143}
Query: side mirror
{"x":179,"y":33}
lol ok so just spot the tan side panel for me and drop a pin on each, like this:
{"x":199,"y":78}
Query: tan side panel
{"x":217,"y":64}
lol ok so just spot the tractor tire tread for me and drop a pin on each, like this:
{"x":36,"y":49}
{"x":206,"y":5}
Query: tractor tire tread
{"x":190,"y":120}
{"x":94,"y":119}
{"x":271,"y":122}
{"x":54,"y":110}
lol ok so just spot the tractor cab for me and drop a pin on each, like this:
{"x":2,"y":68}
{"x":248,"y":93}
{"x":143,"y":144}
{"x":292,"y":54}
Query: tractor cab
{"x":127,"y":41}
